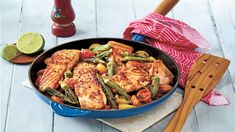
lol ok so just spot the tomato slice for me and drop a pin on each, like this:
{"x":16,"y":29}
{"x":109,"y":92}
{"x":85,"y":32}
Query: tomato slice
{"x":40,"y":72}
{"x":70,"y":82}
{"x":57,"y":99}
{"x":85,"y":54}
{"x":144,"y":95}
{"x":38,"y":80}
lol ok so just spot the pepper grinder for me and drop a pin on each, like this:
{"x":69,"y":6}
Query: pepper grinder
{"x":63,"y":16}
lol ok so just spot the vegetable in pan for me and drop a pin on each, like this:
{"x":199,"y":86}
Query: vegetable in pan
{"x":109,"y":76}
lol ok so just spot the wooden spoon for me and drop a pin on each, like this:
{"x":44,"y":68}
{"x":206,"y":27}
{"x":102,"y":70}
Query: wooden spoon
{"x":205,"y":73}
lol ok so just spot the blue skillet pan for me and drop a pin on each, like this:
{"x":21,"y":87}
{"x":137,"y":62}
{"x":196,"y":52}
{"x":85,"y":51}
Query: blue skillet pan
{"x":70,"y":111}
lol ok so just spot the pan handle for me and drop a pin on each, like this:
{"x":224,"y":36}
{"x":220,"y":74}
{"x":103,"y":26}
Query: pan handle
{"x":163,"y":8}
{"x":66,"y":111}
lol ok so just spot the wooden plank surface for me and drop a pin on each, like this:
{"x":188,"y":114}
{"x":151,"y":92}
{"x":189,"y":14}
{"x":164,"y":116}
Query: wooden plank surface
{"x":26,"y":113}
{"x":113,"y":17}
{"x":225,"y":29}
{"x":7,"y":36}
{"x":203,"y":21}
{"x":21,"y":110}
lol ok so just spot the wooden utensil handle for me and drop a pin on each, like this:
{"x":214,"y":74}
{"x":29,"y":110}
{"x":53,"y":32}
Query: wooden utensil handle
{"x":165,"y":6}
{"x":183,"y":112}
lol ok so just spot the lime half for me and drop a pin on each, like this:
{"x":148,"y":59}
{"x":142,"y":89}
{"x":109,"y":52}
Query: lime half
{"x":9,"y":52}
{"x":30,"y":43}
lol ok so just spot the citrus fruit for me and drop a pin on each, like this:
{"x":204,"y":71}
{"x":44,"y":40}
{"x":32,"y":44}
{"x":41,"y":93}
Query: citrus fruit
{"x":9,"y":52}
{"x":30,"y":43}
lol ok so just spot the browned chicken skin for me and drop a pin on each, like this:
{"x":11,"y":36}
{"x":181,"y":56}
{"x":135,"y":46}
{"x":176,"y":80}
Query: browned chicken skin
{"x":87,"y":87}
{"x":137,"y":75}
{"x":56,"y":66}
{"x":131,"y":79}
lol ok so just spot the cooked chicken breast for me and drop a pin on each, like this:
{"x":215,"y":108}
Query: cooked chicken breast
{"x":67,"y":57}
{"x":56,"y":66}
{"x":131,"y":79}
{"x":159,"y":69}
{"x":156,"y":68}
{"x":118,"y":48}
{"x":87,"y":87}
{"x":52,"y":75}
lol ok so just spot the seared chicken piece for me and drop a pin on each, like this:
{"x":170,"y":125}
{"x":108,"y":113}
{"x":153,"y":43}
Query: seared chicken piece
{"x":156,"y":68}
{"x":59,"y":62}
{"x":87,"y":87}
{"x":67,"y":57}
{"x":118,"y":48}
{"x":159,"y":69}
{"x":52,"y":75}
{"x":131,"y":79}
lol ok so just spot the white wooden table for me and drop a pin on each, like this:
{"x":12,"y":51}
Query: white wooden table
{"x":22,"y":111}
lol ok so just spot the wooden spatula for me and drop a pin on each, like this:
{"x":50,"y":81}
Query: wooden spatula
{"x":205,"y":73}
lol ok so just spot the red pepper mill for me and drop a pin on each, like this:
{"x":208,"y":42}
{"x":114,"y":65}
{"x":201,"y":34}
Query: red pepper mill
{"x":63,"y":16}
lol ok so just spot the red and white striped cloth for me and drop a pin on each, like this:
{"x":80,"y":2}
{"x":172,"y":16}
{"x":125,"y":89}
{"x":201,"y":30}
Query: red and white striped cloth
{"x":177,"y":39}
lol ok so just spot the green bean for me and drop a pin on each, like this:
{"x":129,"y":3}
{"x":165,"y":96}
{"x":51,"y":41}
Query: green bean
{"x":56,"y":93}
{"x":125,"y":53}
{"x":101,"y":48}
{"x":154,"y":86}
{"x":142,"y":53}
{"x":119,"y":89}
{"x":68,"y":74}
{"x":111,"y":65}
{"x":94,"y":60}
{"x":68,"y":91}
{"x":135,"y":58}
{"x":104,"y":54}
{"x":107,"y":92}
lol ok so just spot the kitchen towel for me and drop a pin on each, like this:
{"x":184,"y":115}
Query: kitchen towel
{"x":177,"y":39}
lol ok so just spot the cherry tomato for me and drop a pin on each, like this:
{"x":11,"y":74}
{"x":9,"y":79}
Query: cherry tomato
{"x":70,"y":82}
{"x":135,"y":64}
{"x":159,"y":95}
{"x":38,"y":80}
{"x":40,"y":72}
{"x":57,"y":99}
{"x":164,"y":88}
{"x":144,"y":95}
{"x":107,"y":107}
{"x":101,"y":68}
{"x":47,"y":61}
{"x":135,"y":101}
{"x":85,"y":54}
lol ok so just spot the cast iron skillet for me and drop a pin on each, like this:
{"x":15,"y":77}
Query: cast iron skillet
{"x":71,"y":111}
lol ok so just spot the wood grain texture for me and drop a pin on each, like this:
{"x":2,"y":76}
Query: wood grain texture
{"x":7,"y":36}
{"x":165,"y":6}
{"x":225,"y":30}
{"x":200,"y":17}
{"x":204,"y":75}
{"x":113,"y":17}
{"x":26,"y":112}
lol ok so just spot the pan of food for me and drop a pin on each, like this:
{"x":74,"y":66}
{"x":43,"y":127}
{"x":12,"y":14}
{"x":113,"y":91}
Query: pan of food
{"x":103,"y":78}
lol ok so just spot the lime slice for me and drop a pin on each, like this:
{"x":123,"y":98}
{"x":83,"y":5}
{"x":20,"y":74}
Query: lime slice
{"x":9,"y":52}
{"x":30,"y":43}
